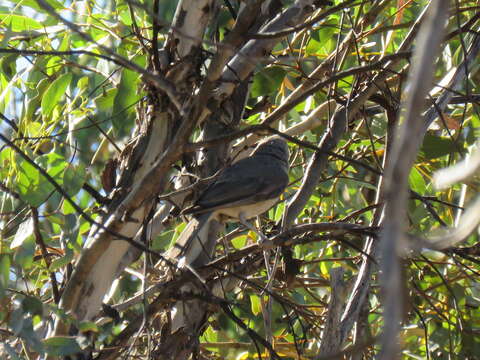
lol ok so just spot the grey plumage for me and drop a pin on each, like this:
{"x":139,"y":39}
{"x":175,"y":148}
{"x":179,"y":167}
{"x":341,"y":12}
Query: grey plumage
{"x":243,"y":190}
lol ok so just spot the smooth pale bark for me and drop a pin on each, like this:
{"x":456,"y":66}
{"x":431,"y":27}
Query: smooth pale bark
{"x":103,"y":256}
{"x":397,"y":170}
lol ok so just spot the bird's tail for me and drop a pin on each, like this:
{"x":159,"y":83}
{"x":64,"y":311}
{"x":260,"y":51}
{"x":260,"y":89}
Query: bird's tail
{"x":196,"y":243}
{"x":194,"y":247}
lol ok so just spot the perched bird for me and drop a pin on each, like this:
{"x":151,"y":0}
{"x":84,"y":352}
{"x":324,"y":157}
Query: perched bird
{"x":241,"y":191}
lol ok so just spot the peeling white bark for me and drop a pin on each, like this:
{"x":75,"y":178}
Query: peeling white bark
{"x":257,"y":50}
{"x":189,"y":23}
{"x":105,"y":257}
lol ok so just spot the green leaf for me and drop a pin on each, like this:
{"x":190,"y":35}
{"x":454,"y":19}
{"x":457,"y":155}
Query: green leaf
{"x":8,"y":65}
{"x":87,"y":326}
{"x":33,"y":187}
{"x":126,"y":98}
{"x":21,"y":324}
{"x":24,"y":254}
{"x":34,"y":5}
{"x":61,"y":262}
{"x":71,"y":228}
{"x":210,"y":335}
{"x":82,"y":84}
{"x":267,"y":81}
{"x":416,"y":181}
{"x":65,"y":44}
{"x":19,"y":23}
{"x":4,"y":269}
{"x":255,"y":304}
{"x":54,"y":163}
{"x":29,"y":185}
{"x":5,"y":90}
{"x":34,"y":101}
{"x":162,"y":241}
{"x":178,"y":231}
{"x":61,"y":346}
{"x":314,"y":47}
{"x":104,"y":102}
{"x":67,"y":208}
{"x":55,"y":92}
{"x":54,"y":65}
{"x":239,"y":241}
{"x":124,"y":14}
{"x":74,"y":178}
{"x":7,"y":162}
{"x":4,"y":273}
{"x":279,"y":209}
{"x":37,"y":73}
{"x":435,"y":146}
{"x":32,"y":305}
{"x":33,"y":129}
{"x":23,"y":232}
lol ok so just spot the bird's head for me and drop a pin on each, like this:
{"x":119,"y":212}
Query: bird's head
{"x":275,"y":146}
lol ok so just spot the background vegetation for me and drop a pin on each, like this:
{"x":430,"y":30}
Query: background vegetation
{"x":102,"y":103}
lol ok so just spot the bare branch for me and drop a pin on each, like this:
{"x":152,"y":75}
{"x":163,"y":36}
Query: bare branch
{"x":398,"y":168}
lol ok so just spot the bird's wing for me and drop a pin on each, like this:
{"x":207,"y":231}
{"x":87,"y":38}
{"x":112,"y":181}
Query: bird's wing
{"x":246,"y":182}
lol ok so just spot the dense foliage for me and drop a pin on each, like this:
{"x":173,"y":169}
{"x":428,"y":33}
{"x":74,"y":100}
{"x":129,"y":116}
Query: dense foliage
{"x":75,"y":90}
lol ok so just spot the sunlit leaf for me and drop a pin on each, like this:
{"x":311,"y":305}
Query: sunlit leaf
{"x":55,"y":92}
{"x":255,"y":304}
{"x":57,"y":108}
{"x":416,"y":181}
{"x":33,"y":4}
{"x":210,"y":335}
{"x":5,"y":91}
{"x":24,"y":231}
{"x":19,"y":22}
{"x":104,"y":102}
{"x":33,"y":103}
{"x":54,"y":65}
{"x":239,"y":241}
{"x":32,"y":186}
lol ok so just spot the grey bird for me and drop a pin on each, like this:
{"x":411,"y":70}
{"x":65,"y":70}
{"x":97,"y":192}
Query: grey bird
{"x":241,"y":191}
